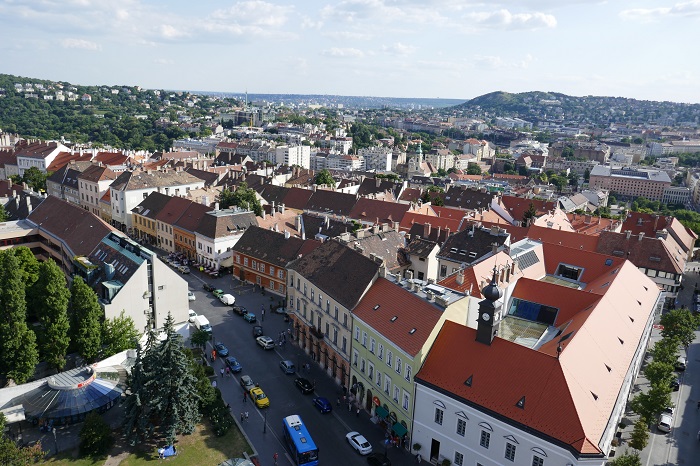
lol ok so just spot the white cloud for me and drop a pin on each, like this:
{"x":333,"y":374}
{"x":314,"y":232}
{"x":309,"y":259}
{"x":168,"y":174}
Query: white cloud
{"x":504,"y":19}
{"x":399,"y":49}
{"x":490,"y":61}
{"x":69,"y":43}
{"x":679,"y":10}
{"x":253,"y":13}
{"x":168,"y":31}
{"x":347,"y":35}
{"x":163,"y":61}
{"x":308,"y":23}
{"x":347,"y":52}
{"x":382,"y":10}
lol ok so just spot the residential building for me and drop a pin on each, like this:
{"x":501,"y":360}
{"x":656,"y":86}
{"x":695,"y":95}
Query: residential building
{"x":144,"y":217}
{"x":470,"y":246}
{"x":293,"y":155}
{"x":422,"y":254}
{"x":630,"y":182}
{"x":166,"y":218}
{"x":93,"y":182}
{"x":325,"y":285}
{"x":345,"y":162}
{"x":184,"y":228}
{"x":64,"y":183}
{"x":217,"y":234}
{"x":38,"y":155}
{"x":676,"y":195}
{"x":376,"y":158}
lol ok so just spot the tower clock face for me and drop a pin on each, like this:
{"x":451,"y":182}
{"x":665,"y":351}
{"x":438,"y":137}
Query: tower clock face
{"x":485,"y":316}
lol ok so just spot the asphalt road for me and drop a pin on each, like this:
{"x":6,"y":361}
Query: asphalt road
{"x":264,"y":426}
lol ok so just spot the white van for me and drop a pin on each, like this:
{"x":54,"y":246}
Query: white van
{"x":202,"y":323}
{"x":665,"y":422}
{"x":227,"y":299}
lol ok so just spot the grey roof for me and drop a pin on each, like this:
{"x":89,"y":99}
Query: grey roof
{"x":209,"y":178}
{"x":472,"y":244}
{"x":129,"y":180}
{"x":324,"y":225}
{"x":388,"y":245}
{"x":269,"y":246}
{"x":331,"y":202}
{"x":629,"y":172}
{"x":221,"y":223}
{"x":152,"y":205}
{"x":420,"y":247}
{"x":339,"y":271}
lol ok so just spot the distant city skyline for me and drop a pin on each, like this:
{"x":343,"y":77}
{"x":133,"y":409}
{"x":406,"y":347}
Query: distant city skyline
{"x":452,"y":49}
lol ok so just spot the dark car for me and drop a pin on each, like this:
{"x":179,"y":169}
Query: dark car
{"x":323,"y":405}
{"x":221,"y":350}
{"x":257,"y":331}
{"x":250,"y":317}
{"x":233,"y":364}
{"x":675,"y":385}
{"x":378,"y":459}
{"x":208,"y":287}
{"x":240,"y":310}
{"x":247,"y":383}
{"x":303,"y":385}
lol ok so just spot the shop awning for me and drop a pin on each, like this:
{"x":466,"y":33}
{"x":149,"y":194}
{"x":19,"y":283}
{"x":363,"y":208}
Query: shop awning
{"x":381,"y":412}
{"x":399,"y":429}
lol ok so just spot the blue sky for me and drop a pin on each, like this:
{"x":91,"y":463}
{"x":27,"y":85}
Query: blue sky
{"x":398,"y":48}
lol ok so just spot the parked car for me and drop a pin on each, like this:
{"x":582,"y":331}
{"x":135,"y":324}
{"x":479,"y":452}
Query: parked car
{"x":681,"y":363}
{"x":359,"y":443}
{"x":675,"y":384}
{"x":192,"y":316}
{"x":287,"y":366}
{"x":304,"y":385}
{"x":191,"y":296}
{"x":240,"y":310}
{"x":669,"y":410}
{"x":665,"y":423}
{"x":227,"y":299}
{"x":266,"y":342}
{"x":217,"y":292}
{"x":250,"y":317}
{"x":184,"y":269}
{"x":208,"y":287}
{"x":221,"y":350}
{"x":322,"y":404}
{"x":257,"y":331}
{"x":259,"y":397}
{"x":247,"y":383}
{"x":377,"y":459}
{"x":233,"y":364}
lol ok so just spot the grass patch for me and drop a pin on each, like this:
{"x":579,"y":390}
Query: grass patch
{"x":200,"y":448}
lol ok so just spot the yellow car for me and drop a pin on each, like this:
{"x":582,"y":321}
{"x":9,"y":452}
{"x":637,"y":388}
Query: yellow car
{"x":257,"y":395}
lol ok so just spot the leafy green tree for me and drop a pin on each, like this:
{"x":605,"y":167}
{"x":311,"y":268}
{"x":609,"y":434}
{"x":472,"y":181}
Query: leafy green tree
{"x":53,"y":318}
{"x":680,"y":324}
{"x":12,"y":454}
{"x":243,"y":197}
{"x":137,"y":426}
{"x":85,"y":315}
{"x":587,"y":175}
{"x":3,"y":213}
{"x":441,"y":172}
{"x":529,"y":214}
{"x":200,"y":338}
{"x":118,"y":334}
{"x":18,"y":352}
{"x":324,"y":177}
{"x":95,"y":436}
{"x":626,"y":459}
{"x":650,"y":404}
{"x":27,"y":264}
{"x":35,"y":178}
{"x":473,"y":169}
{"x":666,"y":351}
{"x":659,"y":372}
{"x":640,"y":434}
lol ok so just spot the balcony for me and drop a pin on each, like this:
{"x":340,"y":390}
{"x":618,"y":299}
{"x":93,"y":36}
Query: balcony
{"x":316,"y":333}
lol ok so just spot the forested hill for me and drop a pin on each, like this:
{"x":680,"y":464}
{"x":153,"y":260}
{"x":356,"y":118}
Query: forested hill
{"x":592,"y":109}
{"x":119,"y":116}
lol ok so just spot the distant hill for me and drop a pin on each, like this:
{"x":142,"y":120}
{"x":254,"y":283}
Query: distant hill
{"x":537,"y":105}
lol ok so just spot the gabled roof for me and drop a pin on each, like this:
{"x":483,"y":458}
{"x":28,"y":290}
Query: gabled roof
{"x":7,"y":157}
{"x":420,"y":247}
{"x":376,"y":211}
{"x":653,"y":253}
{"x":95,"y":173}
{"x":564,"y":238}
{"x":339,"y":271}
{"x":172,"y":211}
{"x":415,"y":317}
{"x":389,"y":245}
{"x":66,"y":176}
{"x":63,"y":219}
{"x":136,"y":180}
{"x":323,"y":224}
{"x":65,"y":158}
{"x":466,"y":198}
{"x":273,"y":193}
{"x":331,"y":202}
{"x":410,"y":195}
{"x":376,"y":185}
{"x":111,"y":159}
{"x":222,"y":223}
{"x":442,"y":223}
{"x":191,"y":217}
{"x":470,"y":245}
{"x":152,"y":205}
{"x":269,"y":246}
{"x":517,"y":206}
{"x":297,"y":198}
{"x":209,"y":178}
{"x":37,"y":150}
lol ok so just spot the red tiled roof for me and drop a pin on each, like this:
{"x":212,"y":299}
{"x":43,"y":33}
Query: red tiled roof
{"x":374,"y":210}
{"x":192,"y":216}
{"x":64,"y":158}
{"x":565,"y":238}
{"x":435,"y":222}
{"x":111,"y":158}
{"x":517,"y":206}
{"x":412,"y":312}
{"x":296,"y":198}
{"x":593,"y":263}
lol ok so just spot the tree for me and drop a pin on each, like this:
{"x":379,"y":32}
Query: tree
{"x":529,"y":214}
{"x":200,"y":338}
{"x":13,"y":454}
{"x":53,"y":317}
{"x":243,"y":197}
{"x":85,"y":315}
{"x":3,"y":213}
{"x":18,"y":352}
{"x":95,"y":436}
{"x":35,"y":178}
{"x":659,"y":372}
{"x":666,"y":351}
{"x":137,"y":426}
{"x":118,"y":334}
{"x":640,"y":434}
{"x":324,"y":177}
{"x":680,"y":324}
{"x":650,"y":404}
{"x":626,"y":459}
{"x":27,"y":264}
{"x":473,"y":169}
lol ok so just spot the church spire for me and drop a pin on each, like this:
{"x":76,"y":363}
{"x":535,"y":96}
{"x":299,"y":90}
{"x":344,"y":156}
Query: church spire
{"x":486,"y":324}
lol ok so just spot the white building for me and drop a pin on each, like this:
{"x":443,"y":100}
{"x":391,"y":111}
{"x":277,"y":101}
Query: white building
{"x":218,"y":232}
{"x":376,"y":158}
{"x":293,"y":155}
{"x":345,"y":162}
{"x":38,"y":155}
{"x":93,"y":183}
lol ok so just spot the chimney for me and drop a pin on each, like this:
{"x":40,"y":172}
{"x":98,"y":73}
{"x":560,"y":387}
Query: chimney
{"x":216,"y":206}
{"x":641,"y":235}
{"x":628,"y":233}
{"x":282,"y":208}
{"x":656,"y":221}
{"x":494,"y":248}
{"x":286,"y":234}
{"x":409,"y":275}
{"x":382,"y":271}
{"x":460,"y":277}
{"x":426,"y":230}
{"x":378,"y":181}
{"x":272,"y":210}
{"x":396,"y":226}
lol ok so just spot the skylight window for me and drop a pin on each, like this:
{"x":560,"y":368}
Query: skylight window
{"x":412,"y":331}
{"x":608,"y":262}
{"x":393,"y":319}
{"x":376,"y":306}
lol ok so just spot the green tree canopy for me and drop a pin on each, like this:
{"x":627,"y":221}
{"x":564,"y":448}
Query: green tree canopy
{"x":12,"y":454}
{"x":3,"y":213}
{"x":118,"y":334}
{"x":324,"y":177}
{"x":95,"y":436}
{"x":680,"y":324}
{"x":85,"y":316}
{"x":666,"y":350}
{"x":640,"y":434}
{"x":27,"y":264}
{"x":243,"y":197}
{"x":473,"y":169}
{"x":35,"y":178}
{"x":53,"y":298}
{"x":529,"y":214}
{"x":650,"y":404}
{"x":626,"y":459}
{"x":659,"y":372}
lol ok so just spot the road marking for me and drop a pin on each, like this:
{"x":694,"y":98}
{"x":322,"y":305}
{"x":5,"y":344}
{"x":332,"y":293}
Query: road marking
{"x":269,"y":429}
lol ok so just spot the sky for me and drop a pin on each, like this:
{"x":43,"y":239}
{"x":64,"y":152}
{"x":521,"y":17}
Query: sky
{"x":392,"y":48}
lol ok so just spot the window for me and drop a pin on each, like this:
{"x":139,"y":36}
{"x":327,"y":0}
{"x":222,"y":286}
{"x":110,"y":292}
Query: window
{"x":537,"y":461}
{"x":362,"y":365}
{"x":272,"y":271}
{"x":336,"y":313}
{"x":461,"y":427}
{"x":396,"y":393}
{"x":387,"y":384}
{"x":320,"y":300}
{"x":408,"y":372}
{"x":262,"y":267}
{"x":485,"y":439}
{"x":406,"y":400}
{"x":245,"y":261}
{"x":372,"y":342}
{"x":370,"y":371}
{"x":355,"y":357}
{"x":439,"y":415}
{"x":510,"y":451}
{"x":381,"y":351}
{"x":335,"y":336}
{"x":398,"y":365}
{"x":459,"y":458}
{"x":312,"y":294}
{"x":379,"y":379}
{"x":388,"y":358}
{"x":345,"y":320}
{"x":443,"y":270}
{"x":328,"y":308}
{"x":254,"y":265}
{"x":280,"y":273}
{"x":357,"y":333}
{"x":364,"y":339}
{"x":304,"y":289}
{"x":345,"y":345}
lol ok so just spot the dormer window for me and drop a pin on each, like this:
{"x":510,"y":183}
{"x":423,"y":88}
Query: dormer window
{"x":570,"y":272}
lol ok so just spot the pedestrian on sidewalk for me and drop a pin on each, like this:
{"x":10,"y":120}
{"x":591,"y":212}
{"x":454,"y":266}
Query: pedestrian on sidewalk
{"x":275,"y":457}
{"x":245,"y":397}
{"x":358,"y":412}
{"x":337,"y":403}
{"x":262,"y":312}
{"x":221,"y":372}
{"x":228,"y":371}
{"x":242,"y":417}
{"x":246,"y":416}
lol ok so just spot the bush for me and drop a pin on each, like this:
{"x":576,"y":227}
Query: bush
{"x":219,"y":415}
{"x":95,"y":436}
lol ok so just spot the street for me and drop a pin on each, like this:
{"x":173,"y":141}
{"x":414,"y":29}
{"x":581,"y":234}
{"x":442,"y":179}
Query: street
{"x":264,"y":426}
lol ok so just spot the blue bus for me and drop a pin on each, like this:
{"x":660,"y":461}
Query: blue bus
{"x":301,"y":446}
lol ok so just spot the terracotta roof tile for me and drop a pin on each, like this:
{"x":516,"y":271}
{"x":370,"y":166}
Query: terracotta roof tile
{"x":376,"y":211}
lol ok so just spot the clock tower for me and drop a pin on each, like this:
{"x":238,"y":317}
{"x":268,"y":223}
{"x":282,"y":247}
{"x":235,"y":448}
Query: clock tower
{"x":487,"y":326}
